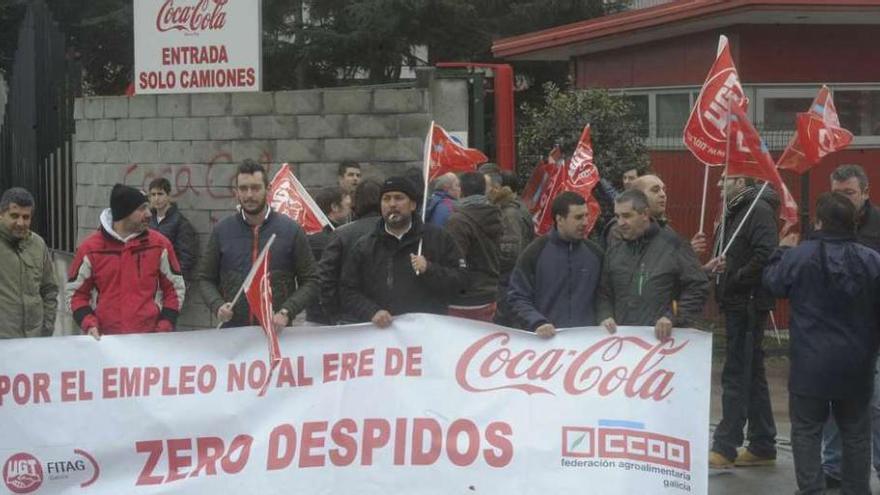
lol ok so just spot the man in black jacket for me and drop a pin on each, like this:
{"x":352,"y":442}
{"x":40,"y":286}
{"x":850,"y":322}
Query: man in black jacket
{"x":338,"y":249}
{"x":385,"y":276}
{"x":335,"y":203}
{"x":236,"y":243}
{"x":555,"y":279}
{"x":476,"y":228}
{"x":745,"y":304}
{"x":833,"y":283}
{"x":651,"y":277}
{"x":168,"y":220}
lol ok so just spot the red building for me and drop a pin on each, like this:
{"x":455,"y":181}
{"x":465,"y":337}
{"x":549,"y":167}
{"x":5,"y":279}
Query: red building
{"x":658,"y":56}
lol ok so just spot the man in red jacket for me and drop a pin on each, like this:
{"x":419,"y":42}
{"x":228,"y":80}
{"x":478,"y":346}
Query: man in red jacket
{"x":127,"y":264}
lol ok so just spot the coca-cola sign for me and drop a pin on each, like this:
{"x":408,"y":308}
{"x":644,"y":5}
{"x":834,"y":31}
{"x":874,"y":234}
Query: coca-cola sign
{"x":628,"y":366}
{"x":205,"y":15}
{"x":197,"y":46}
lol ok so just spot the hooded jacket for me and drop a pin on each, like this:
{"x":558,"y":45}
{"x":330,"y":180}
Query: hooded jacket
{"x":128,"y":274}
{"x":641,"y":278}
{"x":182,"y":235}
{"x":740,"y":283}
{"x":28,"y":287}
{"x":476,"y":229}
{"x":833,"y":284}
{"x":379,"y":273}
{"x":555,"y":281}
{"x":232,"y":250}
{"x":440,"y":207}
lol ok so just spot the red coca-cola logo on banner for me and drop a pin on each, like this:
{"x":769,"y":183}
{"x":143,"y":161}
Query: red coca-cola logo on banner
{"x":605,"y":368}
{"x":205,"y":15}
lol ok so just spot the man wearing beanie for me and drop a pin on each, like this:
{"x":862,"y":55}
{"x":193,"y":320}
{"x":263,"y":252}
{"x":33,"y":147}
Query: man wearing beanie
{"x":386,"y":276}
{"x":127,"y":264}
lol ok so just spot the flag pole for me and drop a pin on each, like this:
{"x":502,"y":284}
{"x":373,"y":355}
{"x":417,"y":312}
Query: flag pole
{"x":426,"y":173}
{"x":746,"y":217}
{"x":724,"y":178}
{"x":705,"y":189}
{"x":251,"y":274}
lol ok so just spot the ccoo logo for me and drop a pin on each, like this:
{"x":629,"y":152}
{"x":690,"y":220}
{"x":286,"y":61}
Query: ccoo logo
{"x":22,"y":473}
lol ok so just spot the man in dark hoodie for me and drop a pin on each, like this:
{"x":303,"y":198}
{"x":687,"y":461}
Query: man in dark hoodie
{"x":387,"y":275}
{"x":338,"y":249}
{"x":832,"y":283}
{"x":746,"y":305}
{"x":554,"y":283}
{"x":476,"y":228}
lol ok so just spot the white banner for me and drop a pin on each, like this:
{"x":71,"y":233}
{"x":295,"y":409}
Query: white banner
{"x":433,"y":405}
{"x":197,"y":46}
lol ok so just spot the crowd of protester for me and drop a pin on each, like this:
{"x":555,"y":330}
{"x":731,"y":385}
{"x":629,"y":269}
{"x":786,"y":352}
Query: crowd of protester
{"x":468,"y":249}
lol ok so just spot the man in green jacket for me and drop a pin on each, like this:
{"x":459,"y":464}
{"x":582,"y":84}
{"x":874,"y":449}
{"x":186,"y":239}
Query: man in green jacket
{"x":28,"y":287}
{"x":651,"y":277}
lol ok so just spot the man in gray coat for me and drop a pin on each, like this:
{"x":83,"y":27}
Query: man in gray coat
{"x":28,"y":286}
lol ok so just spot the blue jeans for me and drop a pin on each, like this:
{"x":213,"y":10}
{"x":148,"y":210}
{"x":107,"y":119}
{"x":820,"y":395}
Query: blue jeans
{"x":831,"y":436}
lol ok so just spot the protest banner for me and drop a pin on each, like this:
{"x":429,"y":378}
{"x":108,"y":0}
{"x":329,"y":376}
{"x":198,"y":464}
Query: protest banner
{"x":197,"y":46}
{"x":433,"y":405}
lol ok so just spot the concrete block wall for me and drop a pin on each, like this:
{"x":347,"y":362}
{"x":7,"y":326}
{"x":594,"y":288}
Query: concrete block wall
{"x":196,"y":142}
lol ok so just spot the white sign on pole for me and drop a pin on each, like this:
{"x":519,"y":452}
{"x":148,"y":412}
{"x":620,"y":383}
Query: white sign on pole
{"x":197,"y":46}
{"x":431,"y":405}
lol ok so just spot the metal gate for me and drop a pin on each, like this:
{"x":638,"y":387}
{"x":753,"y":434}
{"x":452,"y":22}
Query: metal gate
{"x":36,"y":137}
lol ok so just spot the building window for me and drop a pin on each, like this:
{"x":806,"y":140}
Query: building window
{"x":859,"y":111}
{"x":672,"y":110}
{"x":780,"y":114}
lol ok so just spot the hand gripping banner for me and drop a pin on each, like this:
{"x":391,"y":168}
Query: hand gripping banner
{"x":433,"y":405}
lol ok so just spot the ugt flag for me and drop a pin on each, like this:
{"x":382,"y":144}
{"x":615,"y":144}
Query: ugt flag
{"x":447,"y":154}
{"x":818,"y":134}
{"x":258,"y":290}
{"x":537,"y":189}
{"x":705,"y":134}
{"x":578,"y":175}
{"x":288,"y":197}
{"x":749,"y":157}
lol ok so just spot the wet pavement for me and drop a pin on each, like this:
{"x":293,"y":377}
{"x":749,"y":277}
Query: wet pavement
{"x":778,"y":479}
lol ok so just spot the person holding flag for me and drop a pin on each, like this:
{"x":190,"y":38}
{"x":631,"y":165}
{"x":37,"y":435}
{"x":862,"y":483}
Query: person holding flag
{"x":386,"y":275}
{"x":235,"y":244}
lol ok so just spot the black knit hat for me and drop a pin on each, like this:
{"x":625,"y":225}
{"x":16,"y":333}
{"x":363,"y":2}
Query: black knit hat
{"x":124,"y":200}
{"x":401,"y":184}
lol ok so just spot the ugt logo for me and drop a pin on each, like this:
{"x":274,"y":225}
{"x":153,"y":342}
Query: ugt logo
{"x":22,"y":473}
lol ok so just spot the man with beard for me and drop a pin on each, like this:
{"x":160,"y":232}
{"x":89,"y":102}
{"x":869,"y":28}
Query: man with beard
{"x":28,"y":287}
{"x":385,"y":276}
{"x":128,"y":265}
{"x":237,"y":241}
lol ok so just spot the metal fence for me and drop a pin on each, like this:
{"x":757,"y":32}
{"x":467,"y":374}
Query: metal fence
{"x":36,"y":137}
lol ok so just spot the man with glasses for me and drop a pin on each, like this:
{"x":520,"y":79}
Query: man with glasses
{"x":237,"y":241}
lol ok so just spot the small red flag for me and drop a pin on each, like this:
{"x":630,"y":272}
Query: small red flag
{"x":705,"y":134}
{"x":258,"y":290}
{"x":288,"y":197}
{"x":749,"y":157}
{"x":578,"y":175}
{"x":447,"y":154}
{"x":818,"y":134}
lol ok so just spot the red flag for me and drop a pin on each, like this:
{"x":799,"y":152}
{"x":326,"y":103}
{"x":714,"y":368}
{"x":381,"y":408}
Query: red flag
{"x":579,"y":175}
{"x":535,"y":193}
{"x":258,"y":290}
{"x":288,"y":197}
{"x":448,"y":155}
{"x":749,"y":157}
{"x":818,"y":134}
{"x":705,"y":134}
